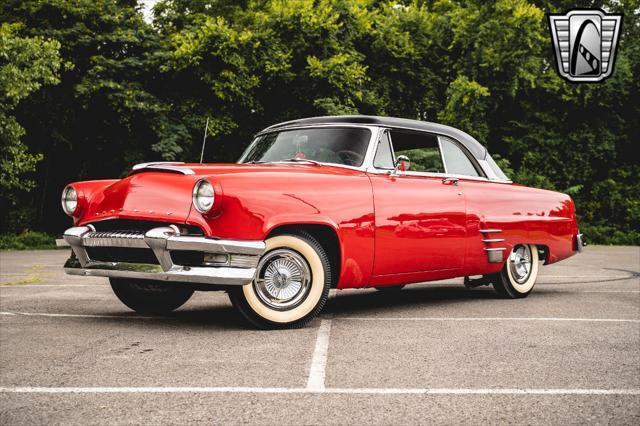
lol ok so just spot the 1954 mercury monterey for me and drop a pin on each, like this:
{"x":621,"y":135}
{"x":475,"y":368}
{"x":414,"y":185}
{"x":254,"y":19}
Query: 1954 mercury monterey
{"x":315,"y":204}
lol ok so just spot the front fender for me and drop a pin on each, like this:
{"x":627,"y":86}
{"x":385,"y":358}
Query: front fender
{"x":253,"y":208}
{"x":87,"y":192}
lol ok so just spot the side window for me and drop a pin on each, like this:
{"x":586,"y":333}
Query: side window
{"x":421,"y":148}
{"x":456,"y":160}
{"x":384,"y":156}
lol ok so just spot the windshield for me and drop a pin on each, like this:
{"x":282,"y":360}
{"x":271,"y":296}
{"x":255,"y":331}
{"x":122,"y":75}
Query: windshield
{"x":346,"y":146}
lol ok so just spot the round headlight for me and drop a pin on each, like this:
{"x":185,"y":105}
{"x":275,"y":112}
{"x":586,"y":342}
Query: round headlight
{"x":69,"y":200}
{"x":203,"y":196}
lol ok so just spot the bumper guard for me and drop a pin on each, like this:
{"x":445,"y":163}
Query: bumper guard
{"x":162,"y":241}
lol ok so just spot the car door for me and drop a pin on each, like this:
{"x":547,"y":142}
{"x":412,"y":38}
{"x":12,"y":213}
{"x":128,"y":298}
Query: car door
{"x":420,"y":218}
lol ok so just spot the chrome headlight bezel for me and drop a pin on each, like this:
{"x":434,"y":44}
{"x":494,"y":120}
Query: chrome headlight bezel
{"x":69,"y":200}
{"x":203,"y":196}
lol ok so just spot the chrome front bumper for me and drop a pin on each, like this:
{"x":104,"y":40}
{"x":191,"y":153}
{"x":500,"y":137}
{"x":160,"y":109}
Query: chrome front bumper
{"x":238,"y":268}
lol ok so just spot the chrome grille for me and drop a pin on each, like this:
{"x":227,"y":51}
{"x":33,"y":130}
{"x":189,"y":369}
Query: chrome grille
{"x":143,"y":226}
{"x":115,"y":239}
{"x":117,"y":234}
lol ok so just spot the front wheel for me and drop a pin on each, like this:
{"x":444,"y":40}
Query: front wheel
{"x":519,"y":274}
{"x":291,"y":286}
{"x":150,"y":297}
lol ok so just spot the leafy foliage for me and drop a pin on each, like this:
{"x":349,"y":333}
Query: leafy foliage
{"x":132,"y":91}
{"x":466,"y":107}
{"x":28,"y":240}
{"x":25,"y":65}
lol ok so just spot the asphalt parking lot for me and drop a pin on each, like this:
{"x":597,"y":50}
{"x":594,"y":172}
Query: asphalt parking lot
{"x":434,"y":353}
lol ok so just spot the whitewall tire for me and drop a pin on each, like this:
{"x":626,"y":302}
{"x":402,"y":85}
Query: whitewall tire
{"x":519,"y":274}
{"x":291,"y":286}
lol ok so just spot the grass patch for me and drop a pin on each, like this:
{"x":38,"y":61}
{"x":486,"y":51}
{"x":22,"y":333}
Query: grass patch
{"x":34,"y":276}
{"x":28,"y":240}
{"x":29,"y":279}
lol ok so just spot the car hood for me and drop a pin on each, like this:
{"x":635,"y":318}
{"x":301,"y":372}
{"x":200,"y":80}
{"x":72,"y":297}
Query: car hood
{"x":164,"y":192}
{"x":153,"y":195}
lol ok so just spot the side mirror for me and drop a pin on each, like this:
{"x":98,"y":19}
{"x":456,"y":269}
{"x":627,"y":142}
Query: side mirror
{"x":403,"y":164}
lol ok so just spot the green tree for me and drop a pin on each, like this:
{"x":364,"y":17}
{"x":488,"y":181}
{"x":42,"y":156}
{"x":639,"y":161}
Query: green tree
{"x":466,"y":107}
{"x":105,"y":114}
{"x":134,"y":91}
{"x":26,"y":64}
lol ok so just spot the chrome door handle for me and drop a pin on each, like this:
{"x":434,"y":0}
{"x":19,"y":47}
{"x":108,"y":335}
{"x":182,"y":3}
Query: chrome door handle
{"x":449,"y":180}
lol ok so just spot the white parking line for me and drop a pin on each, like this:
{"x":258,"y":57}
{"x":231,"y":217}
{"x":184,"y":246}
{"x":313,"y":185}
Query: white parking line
{"x":606,"y":277}
{"x":317,"y":371}
{"x":44,"y":314}
{"x":591,"y":291}
{"x":486,"y":319}
{"x":360,"y":391}
{"x":3,"y":286}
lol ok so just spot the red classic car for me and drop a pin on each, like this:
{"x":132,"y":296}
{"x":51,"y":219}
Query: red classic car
{"x":315,"y":204}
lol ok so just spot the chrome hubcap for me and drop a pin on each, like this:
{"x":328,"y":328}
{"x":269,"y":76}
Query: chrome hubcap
{"x":283,"y":280}
{"x":520,"y":263}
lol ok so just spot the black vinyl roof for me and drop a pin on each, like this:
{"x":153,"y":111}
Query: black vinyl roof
{"x":468,"y":141}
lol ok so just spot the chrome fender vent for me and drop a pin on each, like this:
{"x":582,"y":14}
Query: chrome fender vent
{"x":494,"y":254}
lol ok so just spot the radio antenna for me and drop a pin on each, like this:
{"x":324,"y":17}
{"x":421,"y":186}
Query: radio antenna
{"x":204,"y":139}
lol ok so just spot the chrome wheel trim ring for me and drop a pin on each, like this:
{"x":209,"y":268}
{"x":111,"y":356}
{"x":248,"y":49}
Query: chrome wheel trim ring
{"x":283,"y":279}
{"x":520,"y":263}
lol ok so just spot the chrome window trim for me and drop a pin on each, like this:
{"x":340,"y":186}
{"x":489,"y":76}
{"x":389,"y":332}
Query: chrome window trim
{"x":445,"y":175}
{"x":484,"y":166}
{"x":490,"y":173}
{"x":438,"y":134}
{"x":317,"y":125}
{"x":376,"y":170}
{"x":444,"y":130}
{"x":247,"y":149}
{"x":444,"y":163}
{"x":368,"y":156}
{"x":376,"y":133}
{"x":466,"y":152}
{"x":373,"y":168}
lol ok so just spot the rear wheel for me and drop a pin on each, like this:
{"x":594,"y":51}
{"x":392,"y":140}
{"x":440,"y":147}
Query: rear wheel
{"x":150,"y":297}
{"x":519,"y":274}
{"x":291,"y":286}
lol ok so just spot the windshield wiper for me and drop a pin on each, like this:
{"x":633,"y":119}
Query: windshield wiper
{"x":303,"y":160}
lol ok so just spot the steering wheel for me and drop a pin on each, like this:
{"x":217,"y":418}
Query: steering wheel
{"x":350,"y":158}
